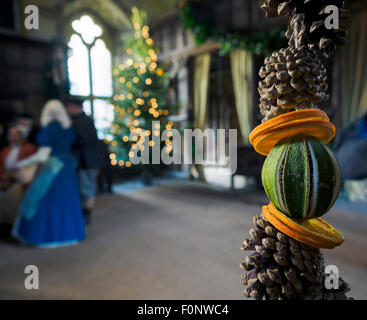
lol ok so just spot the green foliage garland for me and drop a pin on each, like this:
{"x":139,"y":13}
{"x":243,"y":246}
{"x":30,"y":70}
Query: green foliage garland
{"x":258,"y":43}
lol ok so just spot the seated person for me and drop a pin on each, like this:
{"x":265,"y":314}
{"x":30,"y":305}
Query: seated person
{"x":13,"y":181}
{"x":25,"y":121}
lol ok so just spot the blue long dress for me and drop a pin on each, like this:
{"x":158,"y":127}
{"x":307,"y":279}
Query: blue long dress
{"x":58,"y":220}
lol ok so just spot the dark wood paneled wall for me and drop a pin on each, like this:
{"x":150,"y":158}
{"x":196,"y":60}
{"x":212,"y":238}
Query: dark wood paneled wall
{"x":24,"y":66}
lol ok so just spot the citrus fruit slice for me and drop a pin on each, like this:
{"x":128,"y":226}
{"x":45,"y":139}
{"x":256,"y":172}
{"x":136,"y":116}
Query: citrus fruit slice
{"x":308,"y":122}
{"x":313,"y":232}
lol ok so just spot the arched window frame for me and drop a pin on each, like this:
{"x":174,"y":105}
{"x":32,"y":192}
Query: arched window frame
{"x":70,"y":31}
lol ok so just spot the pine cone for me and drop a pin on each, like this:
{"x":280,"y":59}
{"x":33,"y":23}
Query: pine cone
{"x":281,"y":268}
{"x":293,"y":79}
{"x":276,"y":8}
{"x":307,"y":23}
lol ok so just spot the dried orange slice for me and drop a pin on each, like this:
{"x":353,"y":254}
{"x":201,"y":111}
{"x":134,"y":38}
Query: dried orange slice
{"x":307,"y":122}
{"x":313,"y":232}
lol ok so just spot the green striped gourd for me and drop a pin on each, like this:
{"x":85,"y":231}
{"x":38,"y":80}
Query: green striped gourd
{"x":302,"y":178}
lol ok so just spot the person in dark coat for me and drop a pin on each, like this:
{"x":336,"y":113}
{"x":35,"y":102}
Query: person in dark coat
{"x":88,"y":152}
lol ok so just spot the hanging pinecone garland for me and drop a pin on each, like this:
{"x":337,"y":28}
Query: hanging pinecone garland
{"x":281,"y":268}
{"x":307,"y":23}
{"x":310,"y":30}
{"x":293,"y":79}
{"x":286,"y":262}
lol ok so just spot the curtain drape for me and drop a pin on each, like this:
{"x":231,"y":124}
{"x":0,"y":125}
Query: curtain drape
{"x":241,"y":67}
{"x":201,"y":85}
{"x":354,"y":70}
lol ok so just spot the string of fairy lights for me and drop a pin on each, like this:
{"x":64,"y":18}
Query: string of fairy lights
{"x":135,"y":108}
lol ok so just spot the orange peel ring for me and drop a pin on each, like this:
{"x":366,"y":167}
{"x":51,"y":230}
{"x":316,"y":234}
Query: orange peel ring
{"x":314,"y":232}
{"x":308,"y":122}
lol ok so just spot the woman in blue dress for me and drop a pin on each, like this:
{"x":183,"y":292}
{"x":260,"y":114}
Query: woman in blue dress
{"x":51,"y":213}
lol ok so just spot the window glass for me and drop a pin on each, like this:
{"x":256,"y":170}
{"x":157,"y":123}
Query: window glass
{"x":78,"y":67}
{"x":86,"y":27}
{"x":87,"y":107}
{"x":86,"y":44}
{"x":101,"y":69}
{"x":103,"y":116}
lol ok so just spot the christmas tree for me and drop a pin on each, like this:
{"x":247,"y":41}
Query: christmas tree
{"x":141,"y":98}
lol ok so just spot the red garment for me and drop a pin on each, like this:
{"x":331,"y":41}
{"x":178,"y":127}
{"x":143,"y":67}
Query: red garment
{"x":25,"y":150}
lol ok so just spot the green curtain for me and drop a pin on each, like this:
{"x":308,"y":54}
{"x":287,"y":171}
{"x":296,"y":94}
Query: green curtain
{"x":354,"y":69}
{"x":241,"y":67}
{"x":201,"y":85}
